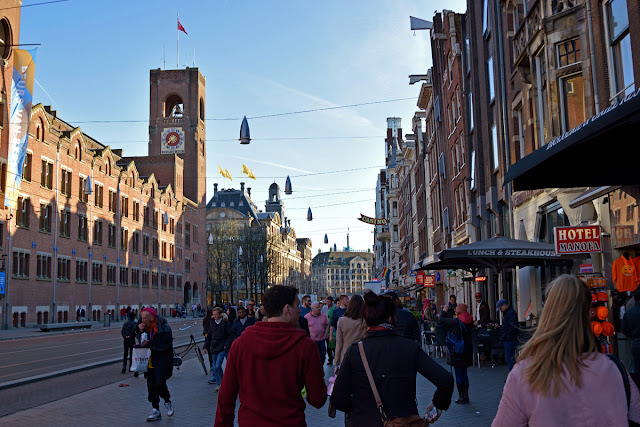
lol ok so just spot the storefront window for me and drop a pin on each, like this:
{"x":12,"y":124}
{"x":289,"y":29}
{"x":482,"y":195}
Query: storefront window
{"x":553,"y":216}
{"x":623,"y":208}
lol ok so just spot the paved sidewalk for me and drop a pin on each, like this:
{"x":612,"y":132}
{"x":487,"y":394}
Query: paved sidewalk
{"x":195,"y":402}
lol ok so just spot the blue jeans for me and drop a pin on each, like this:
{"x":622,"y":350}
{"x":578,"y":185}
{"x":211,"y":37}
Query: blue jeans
{"x":510,"y":353}
{"x":461,"y":375}
{"x":218,"y":358}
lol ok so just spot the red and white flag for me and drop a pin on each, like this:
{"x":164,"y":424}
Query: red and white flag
{"x":181,"y":28}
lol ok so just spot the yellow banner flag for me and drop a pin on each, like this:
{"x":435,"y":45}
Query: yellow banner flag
{"x":221,"y":171}
{"x":228,"y":175}
{"x":248,"y":172}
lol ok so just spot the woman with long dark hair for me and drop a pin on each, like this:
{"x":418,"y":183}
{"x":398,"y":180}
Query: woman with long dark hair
{"x":560,"y":371}
{"x":351,"y":328}
{"x":394,"y":362}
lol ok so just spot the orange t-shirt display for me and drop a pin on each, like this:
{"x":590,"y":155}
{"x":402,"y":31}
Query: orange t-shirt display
{"x":625,"y":274}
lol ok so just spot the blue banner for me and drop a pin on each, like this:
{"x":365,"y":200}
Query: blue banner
{"x":19,"y":119}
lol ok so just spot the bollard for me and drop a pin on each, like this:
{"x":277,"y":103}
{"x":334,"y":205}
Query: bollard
{"x":107,"y":319}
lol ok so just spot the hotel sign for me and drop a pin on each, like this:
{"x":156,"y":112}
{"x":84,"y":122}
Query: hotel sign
{"x":578,"y":240}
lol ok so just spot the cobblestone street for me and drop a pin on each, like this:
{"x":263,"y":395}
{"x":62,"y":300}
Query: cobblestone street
{"x":195,"y":402}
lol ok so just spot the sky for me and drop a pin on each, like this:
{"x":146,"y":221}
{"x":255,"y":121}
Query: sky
{"x":259,"y":58}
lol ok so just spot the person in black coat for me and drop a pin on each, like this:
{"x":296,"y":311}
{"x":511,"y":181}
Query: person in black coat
{"x":406,"y":323}
{"x":394,"y":362}
{"x":129,"y":329}
{"x":160,"y":340}
{"x":460,"y":327}
{"x":241,"y":323}
{"x":631,"y":328}
{"x":218,"y":342}
{"x":508,"y":331}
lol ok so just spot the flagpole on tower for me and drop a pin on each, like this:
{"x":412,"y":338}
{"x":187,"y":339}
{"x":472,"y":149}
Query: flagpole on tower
{"x":178,"y":42}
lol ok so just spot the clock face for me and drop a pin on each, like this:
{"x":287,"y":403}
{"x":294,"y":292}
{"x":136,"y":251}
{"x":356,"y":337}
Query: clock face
{"x":172,"y":141}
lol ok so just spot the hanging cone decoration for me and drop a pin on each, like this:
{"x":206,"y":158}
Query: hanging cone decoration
{"x":287,"y":186}
{"x":309,"y":215}
{"x":326,"y":238}
{"x":244,"y":132}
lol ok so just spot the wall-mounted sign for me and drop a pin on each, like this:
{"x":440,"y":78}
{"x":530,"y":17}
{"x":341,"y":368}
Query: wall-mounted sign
{"x":481,"y":279}
{"x":578,"y":240}
{"x":373,"y":221}
{"x":429,"y":281}
{"x":172,"y":141}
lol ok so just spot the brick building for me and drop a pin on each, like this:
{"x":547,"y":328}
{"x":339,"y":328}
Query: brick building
{"x":96,"y":230}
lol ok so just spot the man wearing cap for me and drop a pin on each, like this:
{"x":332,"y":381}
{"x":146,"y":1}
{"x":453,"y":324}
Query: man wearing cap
{"x":407,"y":325}
{"x":509,"y":331}
{"x":482,"y":311}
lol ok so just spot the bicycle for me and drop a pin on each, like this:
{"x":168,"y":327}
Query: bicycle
{"x":177,"y":357}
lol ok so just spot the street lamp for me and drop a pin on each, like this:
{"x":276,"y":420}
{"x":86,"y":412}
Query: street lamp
{"x":88,"y":189}
{"x":210,"y":286}
{"x":238,"y":254}
{"x":244,"y":132}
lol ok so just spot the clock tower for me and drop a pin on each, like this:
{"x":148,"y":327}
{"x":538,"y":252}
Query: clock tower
{"x":177,"y":126}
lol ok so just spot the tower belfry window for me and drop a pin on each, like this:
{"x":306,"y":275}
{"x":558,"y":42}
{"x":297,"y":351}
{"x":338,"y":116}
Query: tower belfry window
{"x":173,"y":106}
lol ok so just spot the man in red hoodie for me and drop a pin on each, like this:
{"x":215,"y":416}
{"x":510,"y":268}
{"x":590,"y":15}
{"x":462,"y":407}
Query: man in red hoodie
{"x":269,"y":365}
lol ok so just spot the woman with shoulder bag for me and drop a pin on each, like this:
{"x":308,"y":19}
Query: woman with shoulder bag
{"x":460,"y":355}
{"x":560,"y":371}
{"x":386,"y":364}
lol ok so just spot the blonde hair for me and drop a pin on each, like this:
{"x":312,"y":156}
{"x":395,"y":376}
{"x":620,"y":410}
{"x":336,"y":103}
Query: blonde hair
{"x":562,"y":340}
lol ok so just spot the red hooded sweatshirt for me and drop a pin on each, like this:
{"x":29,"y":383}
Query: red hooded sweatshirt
{"x":268,"y":365}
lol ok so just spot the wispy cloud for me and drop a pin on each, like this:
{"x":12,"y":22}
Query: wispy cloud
{"x":349,"y":115}
{"x":278,"y":165}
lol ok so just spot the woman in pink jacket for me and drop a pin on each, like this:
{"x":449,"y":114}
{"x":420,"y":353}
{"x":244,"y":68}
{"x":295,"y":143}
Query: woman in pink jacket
{"x":560,"y":378}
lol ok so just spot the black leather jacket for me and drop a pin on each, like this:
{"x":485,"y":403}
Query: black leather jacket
{"x":394,"y":363}
{"x":219,"y":337}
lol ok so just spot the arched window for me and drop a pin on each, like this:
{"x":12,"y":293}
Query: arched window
{"x":6,"y":39}
{"x":78,"y":153}
{"x":107,"y":167}
{"x":153,"y":192}
{"x":173,"y":106}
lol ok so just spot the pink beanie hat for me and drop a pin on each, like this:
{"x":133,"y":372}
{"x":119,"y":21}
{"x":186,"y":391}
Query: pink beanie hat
{"x":150,"y":310}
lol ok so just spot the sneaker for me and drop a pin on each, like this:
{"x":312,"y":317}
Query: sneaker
{"x":155,"y":415}
{"x":169,"y":406}
{"x":136,"y":374}
{"x":124,"y":369}
{"x":211,"y":382}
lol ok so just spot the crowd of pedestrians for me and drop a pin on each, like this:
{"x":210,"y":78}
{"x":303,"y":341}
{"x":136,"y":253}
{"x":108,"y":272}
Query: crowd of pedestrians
{"x":275,"y":352}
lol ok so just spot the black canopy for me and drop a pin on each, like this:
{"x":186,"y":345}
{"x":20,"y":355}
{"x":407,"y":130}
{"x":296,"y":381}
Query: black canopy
{"x":601,"y":151}
{"x":497,"y":253}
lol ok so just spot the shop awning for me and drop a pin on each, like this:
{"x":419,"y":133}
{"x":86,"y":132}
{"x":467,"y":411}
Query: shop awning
{"x":591,"y":194}
{"x":600,"y":152}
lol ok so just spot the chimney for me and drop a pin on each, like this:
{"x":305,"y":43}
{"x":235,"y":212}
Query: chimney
{"x":249,"y":191}
{"x":242,"y":187}
{"x":289,"y":223}
{"x":215,"y":188}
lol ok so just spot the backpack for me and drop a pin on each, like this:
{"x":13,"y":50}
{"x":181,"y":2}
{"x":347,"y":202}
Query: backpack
{"x":454,"y":342}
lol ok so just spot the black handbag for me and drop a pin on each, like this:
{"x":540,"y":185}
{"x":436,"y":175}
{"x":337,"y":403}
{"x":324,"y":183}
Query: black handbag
{"x":627,"y":386}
